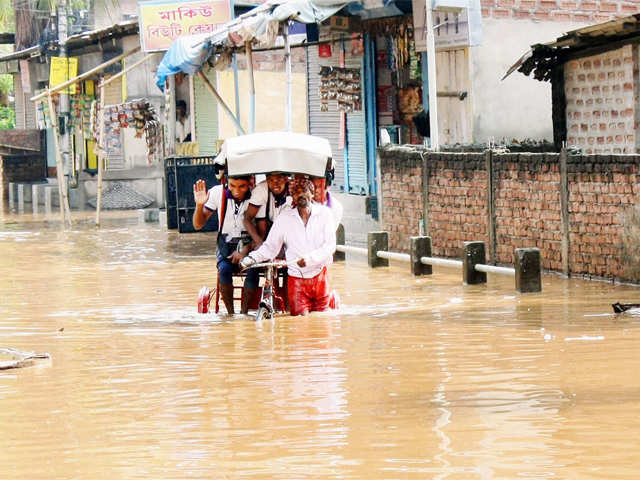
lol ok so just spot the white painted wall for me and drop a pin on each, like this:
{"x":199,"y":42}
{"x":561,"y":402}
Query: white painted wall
{"x":518,"y":107}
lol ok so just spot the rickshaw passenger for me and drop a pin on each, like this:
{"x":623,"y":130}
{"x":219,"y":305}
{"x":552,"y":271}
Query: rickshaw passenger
{"x":323,"y":196}
{"x":268,"y":199}
{"x":230,"y":203}
{"x":308,"y":233}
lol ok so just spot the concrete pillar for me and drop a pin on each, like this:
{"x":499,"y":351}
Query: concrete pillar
{"x":340,"y":238}
{"x":20,"y":197}
{"x":34,"y":198}
{"x":48,"y":192}
{"x":420,"y":247}
{"x":474,"y":253}
{"x":160,"y":193}
{"x":140,"y":213}
{"x":377,"y":241}
{"x":162,"y":217}
{"x":12,"y":199}
{"x":528,"y":270}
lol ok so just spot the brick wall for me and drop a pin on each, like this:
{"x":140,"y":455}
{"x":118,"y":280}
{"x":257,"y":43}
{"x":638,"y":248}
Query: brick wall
{"x":527,"y":206}
{"x":603,"y":231}
{"x":273,"y":61}
{"x":457,"y":199}
{"x":600,"y":111}
{"x":402,"y":192}
{"x":580,"y":11}
{"x":21,"y":168}
{"x":28,"y":138}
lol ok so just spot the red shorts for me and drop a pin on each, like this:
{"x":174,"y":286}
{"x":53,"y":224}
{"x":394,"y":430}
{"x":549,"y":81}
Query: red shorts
{"x":309,"y":294}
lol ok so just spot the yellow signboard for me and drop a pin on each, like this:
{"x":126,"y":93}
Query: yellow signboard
{"x":63,"y":69}
{"x":161,"y":22}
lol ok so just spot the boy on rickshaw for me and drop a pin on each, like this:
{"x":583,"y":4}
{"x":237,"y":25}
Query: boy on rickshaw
{"x":268,"y":199}
{"x":230,"y":203}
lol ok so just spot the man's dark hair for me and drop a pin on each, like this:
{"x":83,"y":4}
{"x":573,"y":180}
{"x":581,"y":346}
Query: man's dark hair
{"x":241,"y":177}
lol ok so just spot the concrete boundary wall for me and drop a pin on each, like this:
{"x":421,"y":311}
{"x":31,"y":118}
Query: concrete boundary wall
{"x":579,"y":210}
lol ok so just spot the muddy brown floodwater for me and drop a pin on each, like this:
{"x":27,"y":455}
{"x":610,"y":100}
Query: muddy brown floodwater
{"x":412,"y":379}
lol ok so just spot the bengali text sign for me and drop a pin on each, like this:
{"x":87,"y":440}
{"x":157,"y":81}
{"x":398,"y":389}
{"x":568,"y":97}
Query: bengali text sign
{"x":162,"y":22}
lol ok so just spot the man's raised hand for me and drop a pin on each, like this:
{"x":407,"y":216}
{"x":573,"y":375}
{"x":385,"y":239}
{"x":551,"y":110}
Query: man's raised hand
{"x":200,"y":194}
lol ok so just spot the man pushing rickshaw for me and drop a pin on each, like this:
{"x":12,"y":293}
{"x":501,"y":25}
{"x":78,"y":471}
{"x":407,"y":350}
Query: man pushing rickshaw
{"x":284,"y":206}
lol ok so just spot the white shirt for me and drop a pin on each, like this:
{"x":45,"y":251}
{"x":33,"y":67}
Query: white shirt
{"x":261,"y":196}
{"x":315,"y":243}
{"x":336,"y":208}
{"x":183,"y":129}
{"x":233,"y":219}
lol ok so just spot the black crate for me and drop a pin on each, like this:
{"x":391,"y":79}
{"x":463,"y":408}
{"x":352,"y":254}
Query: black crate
{"x":187,"y":171}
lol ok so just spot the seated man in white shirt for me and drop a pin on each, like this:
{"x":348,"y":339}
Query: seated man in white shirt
{"x":323,"y":196}
{"x":230,"y":203}
{"x":268,"y":199}
{"x":308,"y":233}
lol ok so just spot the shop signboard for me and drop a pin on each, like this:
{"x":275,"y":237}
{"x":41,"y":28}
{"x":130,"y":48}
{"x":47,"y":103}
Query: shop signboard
{"x":63,"y":69}
{"x":452,"y":27}
{"x":161,"y":22}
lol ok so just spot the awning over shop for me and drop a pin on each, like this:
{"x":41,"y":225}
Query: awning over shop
{"x":542,"y":58}
{"x":258,"y":26}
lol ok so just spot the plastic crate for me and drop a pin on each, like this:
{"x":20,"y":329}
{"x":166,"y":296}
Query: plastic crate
{"x":170,"y":192}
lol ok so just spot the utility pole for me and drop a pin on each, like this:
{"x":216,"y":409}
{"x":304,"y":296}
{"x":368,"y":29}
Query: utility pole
{"x":65,"y":138}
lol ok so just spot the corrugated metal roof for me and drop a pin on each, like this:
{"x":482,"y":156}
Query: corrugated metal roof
{"x":542,"y":58}
{"x":80,"y":40}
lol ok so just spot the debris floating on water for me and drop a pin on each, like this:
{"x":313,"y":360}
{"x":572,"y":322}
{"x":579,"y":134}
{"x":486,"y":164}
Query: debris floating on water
{"x":585,"y":338}
{"x":20,"y":359}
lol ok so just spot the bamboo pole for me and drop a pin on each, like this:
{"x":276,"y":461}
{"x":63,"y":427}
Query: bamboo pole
{"x":226,"y":108}
{"x":287,"y":60}
{"x":100,"y":155}
{"x":86,"y":74}
{"x":65,"y":212}
{"x":252,"y":89}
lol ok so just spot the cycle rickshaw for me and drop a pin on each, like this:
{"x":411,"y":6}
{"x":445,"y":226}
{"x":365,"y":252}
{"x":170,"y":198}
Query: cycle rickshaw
{"x":263,"y":153}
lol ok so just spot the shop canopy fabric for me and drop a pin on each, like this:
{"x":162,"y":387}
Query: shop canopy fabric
{"x":259,"y":26}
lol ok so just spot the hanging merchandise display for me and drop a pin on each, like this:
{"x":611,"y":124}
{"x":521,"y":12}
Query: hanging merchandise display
{"x":81,"y":113}
{"x":43,"y":117}
{"x":137,"y":114}
{"x":341,"y":85}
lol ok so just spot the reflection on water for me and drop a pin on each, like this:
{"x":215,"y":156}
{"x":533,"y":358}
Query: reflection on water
{"x":412,"y":378}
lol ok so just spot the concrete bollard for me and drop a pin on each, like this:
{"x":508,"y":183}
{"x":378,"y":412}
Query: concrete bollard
{"x":148,"y":215}
{"x":21,"y":198}
{"x":420,"y":247}
{"x":340,"y":239}
{"x":474,"y":253}
{"x":12,"y":198}
{"x":162,"y":217}
{"x":528,"y":270}
{"x":48,"y":193}
{"x":377,"y":241}
{"x":34,"y":198}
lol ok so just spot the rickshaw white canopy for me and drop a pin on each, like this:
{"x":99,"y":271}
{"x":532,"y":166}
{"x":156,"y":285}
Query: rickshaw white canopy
{"x":275,"y":152}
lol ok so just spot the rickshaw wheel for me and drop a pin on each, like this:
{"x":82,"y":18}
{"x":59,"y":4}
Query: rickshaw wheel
{"x":263,"y":313}
{"x":204,"y":299}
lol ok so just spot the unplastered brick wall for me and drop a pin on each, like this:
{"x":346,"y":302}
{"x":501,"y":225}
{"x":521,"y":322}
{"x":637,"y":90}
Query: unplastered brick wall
{"x":603,"y":207}
{"x":527,"y":206}
{"x":601,"y":103}
{"x":604,"y":228}
{"x":582,"y":11}
{"x":457,"y":201}
{"x":402,"y":193}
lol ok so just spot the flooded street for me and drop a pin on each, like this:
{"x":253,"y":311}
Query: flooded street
{"x":411,"y":379}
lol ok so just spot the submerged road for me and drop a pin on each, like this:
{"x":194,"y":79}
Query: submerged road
{"x":411,"y":379}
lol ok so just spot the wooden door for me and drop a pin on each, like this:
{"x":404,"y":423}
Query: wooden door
{"x":454,"y":91}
